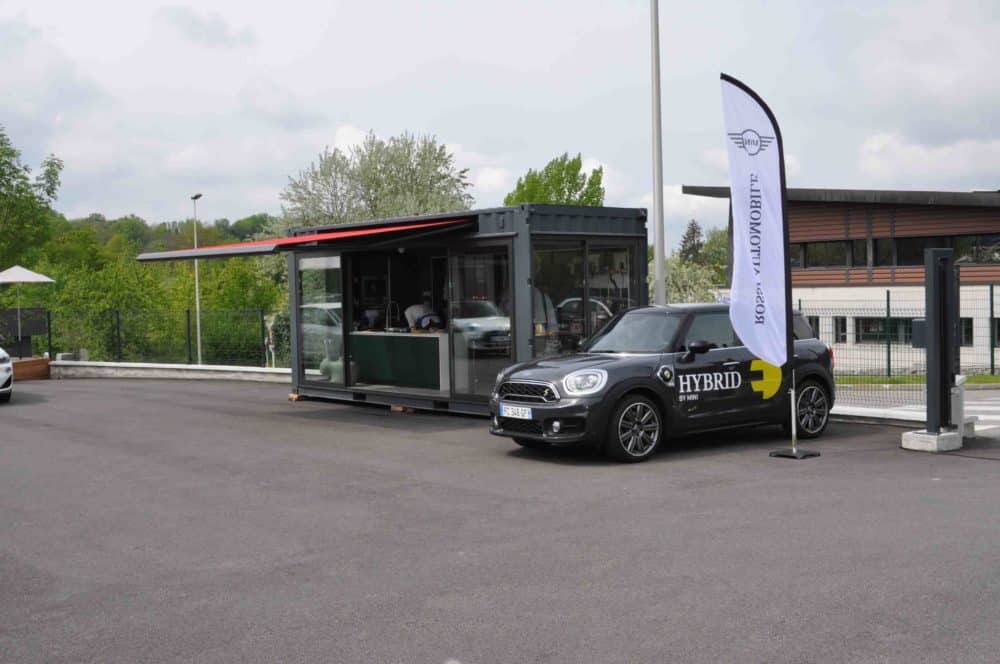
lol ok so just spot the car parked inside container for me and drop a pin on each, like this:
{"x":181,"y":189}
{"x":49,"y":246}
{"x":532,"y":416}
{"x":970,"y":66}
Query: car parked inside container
{"x":657,"y":372}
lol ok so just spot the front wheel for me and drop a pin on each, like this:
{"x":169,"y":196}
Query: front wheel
{"x":4,"y":398}
{"x":635,"y":430}
{"x":812,"y":407}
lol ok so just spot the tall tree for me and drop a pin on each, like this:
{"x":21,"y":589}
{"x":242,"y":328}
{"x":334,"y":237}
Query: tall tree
{"x":25,"y":203}
{"x":691,"y":243}
{"x":562,"y":181}
{"x":715,"y":253}
{"x":403,"y":175}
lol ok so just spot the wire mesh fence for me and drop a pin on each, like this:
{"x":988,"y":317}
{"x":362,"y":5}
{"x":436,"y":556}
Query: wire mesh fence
{"x":876,"y":364}
{"x":236,"y":338}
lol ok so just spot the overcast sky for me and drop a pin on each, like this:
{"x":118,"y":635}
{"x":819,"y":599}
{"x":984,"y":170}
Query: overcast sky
{"x":148,"y":102}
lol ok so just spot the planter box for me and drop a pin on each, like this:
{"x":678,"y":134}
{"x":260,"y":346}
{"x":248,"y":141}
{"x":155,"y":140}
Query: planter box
{"x":32,"y":368}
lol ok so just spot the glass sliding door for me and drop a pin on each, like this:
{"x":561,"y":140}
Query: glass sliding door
{"x":480,"y":319}
{"x":612,"y":282}
{"x":557,"y":276}
{"x":321,"y":326}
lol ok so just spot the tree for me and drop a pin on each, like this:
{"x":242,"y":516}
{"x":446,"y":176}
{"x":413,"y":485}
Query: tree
{"x":715,"y":253}
{"x":405,"y":175}
{"x":561,"y":182}
{"x":25,"y":203}
{"x":686,"y":281}
{"x":691,"y":243}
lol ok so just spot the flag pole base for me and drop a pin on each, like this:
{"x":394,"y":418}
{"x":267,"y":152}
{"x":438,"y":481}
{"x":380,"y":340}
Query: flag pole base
{"x":796,"y":453}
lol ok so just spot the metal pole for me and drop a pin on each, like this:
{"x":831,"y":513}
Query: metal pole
{"x":48,"y":328}
{"x":20,"y":353}
{"x":993,"y":336}
{"x":187,"y":332}
{"x":888,"y":335}
{"x":197,"y":285}
{"x":659,"y":254}
{"x":795,"y":414}
{"x":118,"y":336}
{"x":263,"y":340}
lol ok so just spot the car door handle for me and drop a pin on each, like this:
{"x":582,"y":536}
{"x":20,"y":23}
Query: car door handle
{"x":730,"y":363}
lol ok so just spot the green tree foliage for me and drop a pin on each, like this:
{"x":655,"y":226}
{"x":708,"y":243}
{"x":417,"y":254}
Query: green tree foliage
{"x":404,"y":175}
{"x":691,"y":243}
{"x":25,"y":202}
{"x":715,"y":254}
{"x":562,"y":182}
{"x":686,"y":281}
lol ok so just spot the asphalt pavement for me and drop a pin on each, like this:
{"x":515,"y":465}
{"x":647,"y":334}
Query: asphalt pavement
{"x":162,"y":521}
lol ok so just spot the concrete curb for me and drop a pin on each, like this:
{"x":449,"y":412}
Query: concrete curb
{"x":71,"y":369}
{"x":894,"y":417}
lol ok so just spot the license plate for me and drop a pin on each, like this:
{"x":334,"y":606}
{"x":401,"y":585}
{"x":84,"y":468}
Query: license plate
{"x":515,"y":412}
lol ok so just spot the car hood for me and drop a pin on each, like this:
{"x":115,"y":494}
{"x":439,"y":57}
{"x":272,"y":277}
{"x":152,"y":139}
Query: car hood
{"x":554,"y":368}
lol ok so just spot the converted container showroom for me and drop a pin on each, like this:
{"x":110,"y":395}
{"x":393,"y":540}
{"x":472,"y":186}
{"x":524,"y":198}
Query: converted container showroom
{"x":424,"y":311}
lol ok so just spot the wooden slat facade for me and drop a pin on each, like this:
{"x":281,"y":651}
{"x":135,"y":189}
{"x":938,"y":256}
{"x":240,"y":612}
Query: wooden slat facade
{"x":821,"y":221}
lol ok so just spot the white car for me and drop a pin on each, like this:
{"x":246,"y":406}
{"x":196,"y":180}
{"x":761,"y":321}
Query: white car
{"x":6,"y":377}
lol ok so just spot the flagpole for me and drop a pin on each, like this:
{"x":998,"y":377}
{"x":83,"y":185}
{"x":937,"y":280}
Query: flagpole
{"x":659,"y":254}
{"x":20,"y":353}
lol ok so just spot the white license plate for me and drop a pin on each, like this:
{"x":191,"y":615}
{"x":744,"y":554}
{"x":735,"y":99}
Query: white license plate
{"x":515,"y":412}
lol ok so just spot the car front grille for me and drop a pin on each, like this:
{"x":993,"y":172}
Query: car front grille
{"x":510,"y":425}
{"x":513,"y":390}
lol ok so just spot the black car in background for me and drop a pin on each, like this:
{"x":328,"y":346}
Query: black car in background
{"x":655,"y":372}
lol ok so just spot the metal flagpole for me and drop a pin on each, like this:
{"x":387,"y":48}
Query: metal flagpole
{"x":659,"y":267}
{"x":197,"y":286}
{"x":20,"y":353}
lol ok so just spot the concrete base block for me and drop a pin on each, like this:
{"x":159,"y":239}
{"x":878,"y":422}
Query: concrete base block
{"x":923,"y":441}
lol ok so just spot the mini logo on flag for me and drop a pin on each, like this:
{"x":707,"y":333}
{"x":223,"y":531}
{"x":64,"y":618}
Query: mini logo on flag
{"x":750,"y":141}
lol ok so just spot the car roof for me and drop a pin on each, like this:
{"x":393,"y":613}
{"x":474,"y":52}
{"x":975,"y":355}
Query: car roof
{"x":692,"y":307}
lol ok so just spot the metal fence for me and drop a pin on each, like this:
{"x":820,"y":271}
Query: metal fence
{"x":238,"y":338}
{"x":872,"y":339}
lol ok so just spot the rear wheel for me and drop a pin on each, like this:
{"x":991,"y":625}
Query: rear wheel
{"x":531,"y":443}
{"x":635,"y":430}
{"x":812,"y":407}
{"x":4,"y":398}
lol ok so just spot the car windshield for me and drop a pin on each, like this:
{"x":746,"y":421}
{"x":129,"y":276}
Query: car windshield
{"x":637,"y":332}
{"x":478,"y":309}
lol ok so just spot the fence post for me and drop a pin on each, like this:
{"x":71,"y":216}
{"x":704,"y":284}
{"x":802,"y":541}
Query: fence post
{"x":993,"y":336}
{"x":118,"y":336}
{"x":48,"y":329}
{"x":888,"y":335}
{"x":187,"y":334}
{"x":263,"y":339}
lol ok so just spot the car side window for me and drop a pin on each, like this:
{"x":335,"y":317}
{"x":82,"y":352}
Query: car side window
{"x":713,"y":327}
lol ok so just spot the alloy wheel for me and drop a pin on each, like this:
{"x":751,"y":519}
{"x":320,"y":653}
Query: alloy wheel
{"x":638,"y":429}
{"x":813,"y":409}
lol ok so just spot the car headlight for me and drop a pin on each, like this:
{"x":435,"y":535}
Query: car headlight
{"x":4,"y":357}
{"x":584,"y":382}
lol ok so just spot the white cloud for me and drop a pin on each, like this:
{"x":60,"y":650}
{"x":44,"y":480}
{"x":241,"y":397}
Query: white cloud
{"x":207,"y":29}
{"x":680,"y":208}
{"x":348,"y":136}
{"x":892,"y":158}
{"x":491,"y":183}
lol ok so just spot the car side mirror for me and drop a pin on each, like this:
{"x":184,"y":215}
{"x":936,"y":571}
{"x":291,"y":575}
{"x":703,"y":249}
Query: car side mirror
{"x":698,"y":347}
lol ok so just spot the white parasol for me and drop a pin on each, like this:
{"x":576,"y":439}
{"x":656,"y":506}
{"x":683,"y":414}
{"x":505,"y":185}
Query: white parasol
{"x":19,"y":275}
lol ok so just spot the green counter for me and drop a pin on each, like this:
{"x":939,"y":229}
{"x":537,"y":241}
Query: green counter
{"x":397,"y":358}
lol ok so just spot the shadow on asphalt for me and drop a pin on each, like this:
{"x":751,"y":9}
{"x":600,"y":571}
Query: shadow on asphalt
{"x":761,"y":438}
{"x":22,"y":397}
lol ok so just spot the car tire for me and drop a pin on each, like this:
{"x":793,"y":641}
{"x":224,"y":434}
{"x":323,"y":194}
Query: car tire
{"x":5,"y":398}
{"x":813,"y":409}
{"x":531,"y":443}
{"x":635,"y":430}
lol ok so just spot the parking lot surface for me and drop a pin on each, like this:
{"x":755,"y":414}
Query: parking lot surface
{"x":156,"y":521}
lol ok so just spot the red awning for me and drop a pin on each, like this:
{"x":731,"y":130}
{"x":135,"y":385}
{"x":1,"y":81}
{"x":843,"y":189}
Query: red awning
{"x":258,"y":247}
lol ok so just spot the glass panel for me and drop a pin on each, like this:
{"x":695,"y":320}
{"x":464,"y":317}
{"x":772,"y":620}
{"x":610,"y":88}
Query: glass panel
{"x":795,"y":255}
{"x":557,"y":275}
{"x":321,"y":319}
{"x":714,"y":328}
{"x":988,"y":249}
{"x":610,"y":286}
{"x":859,"y":253}
{"x":966,"y":249}
{"x":966,"y":331}
{"x":910,"y":250}
{"x":826,"y":254}
{"x":640,"y":331}
{"x":839,"y":329}
{"x":883,"y":252}
{"x":480,"y":320}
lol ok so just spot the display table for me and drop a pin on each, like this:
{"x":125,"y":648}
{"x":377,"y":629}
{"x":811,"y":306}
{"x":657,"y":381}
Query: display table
{"x":401,"y":358}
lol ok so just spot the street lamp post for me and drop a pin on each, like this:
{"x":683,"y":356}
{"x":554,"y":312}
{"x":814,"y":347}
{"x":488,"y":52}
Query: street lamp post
{"x":197,"y":285}
{"x":659,"y":257}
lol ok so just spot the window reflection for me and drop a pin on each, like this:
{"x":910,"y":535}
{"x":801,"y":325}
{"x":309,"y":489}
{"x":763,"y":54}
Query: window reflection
{"x":321,"y":319}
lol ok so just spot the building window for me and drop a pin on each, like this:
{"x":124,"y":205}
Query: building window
{"x":859,"y":253}
{"x":873,"y":330}
{"x":795,"y":255}
{"x":840,"y":329}
{"x":910,"y":250}
{"x":814,"y":325}
{"x":883,"y":252}
{"x":965,"y":330}
{"x":826,"y":254}
{"x":987,"y":249}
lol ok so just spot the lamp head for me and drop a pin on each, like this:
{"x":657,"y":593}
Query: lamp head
{"x":196,"y":197}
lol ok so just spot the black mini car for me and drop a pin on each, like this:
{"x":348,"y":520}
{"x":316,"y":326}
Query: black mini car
{"x":654,"y":372}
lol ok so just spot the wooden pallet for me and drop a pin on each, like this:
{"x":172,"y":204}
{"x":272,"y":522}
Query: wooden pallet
{"x":31,"y":368}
